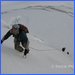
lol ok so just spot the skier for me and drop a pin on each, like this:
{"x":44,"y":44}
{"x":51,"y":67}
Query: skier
{"x":19,"y":32}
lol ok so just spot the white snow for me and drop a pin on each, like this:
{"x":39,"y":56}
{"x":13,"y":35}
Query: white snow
{"x":51,"y":27}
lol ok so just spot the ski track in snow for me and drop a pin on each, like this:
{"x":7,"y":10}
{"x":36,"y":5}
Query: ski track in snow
{"x":45,"y":8}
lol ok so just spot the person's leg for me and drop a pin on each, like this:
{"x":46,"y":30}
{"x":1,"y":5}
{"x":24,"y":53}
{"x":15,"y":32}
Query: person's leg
{"x":17,"y":45}
{"x":25,"y":42}
{"x":26,"y":46}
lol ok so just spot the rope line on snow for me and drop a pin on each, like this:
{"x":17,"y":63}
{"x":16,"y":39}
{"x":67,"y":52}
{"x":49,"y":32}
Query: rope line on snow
{"x":41,"y":49}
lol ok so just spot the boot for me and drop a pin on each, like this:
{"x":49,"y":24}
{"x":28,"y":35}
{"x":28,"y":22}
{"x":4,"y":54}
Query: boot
{"x":26,"y":52}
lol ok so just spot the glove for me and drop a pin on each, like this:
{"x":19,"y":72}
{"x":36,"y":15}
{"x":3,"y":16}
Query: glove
{"x":1,"y":41}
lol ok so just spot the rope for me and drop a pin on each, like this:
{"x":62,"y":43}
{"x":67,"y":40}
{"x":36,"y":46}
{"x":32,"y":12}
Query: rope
{"x":41,"y":49}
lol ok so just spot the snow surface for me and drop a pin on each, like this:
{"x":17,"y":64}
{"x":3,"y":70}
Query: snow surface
{"x":51,"y":28}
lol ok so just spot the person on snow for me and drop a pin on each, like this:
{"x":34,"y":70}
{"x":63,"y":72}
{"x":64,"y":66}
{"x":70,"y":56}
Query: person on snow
{"x":19,"y":32}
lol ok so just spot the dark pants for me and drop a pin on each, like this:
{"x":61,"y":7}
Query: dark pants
{"x":23,"y":40}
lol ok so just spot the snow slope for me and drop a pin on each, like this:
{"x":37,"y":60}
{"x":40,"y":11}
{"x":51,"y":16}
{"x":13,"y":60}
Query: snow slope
{"x":51,"y":28}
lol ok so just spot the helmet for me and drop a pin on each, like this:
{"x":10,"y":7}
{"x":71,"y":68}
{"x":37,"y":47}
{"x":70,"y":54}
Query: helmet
{"x":15,"y":29}
{"x":16,"y":26}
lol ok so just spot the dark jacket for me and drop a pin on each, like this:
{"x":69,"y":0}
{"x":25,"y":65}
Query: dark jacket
{"x":22,"y":31}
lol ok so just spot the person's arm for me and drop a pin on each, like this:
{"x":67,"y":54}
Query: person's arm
{"x":24,"y":28}
{"x":8,"y":34}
